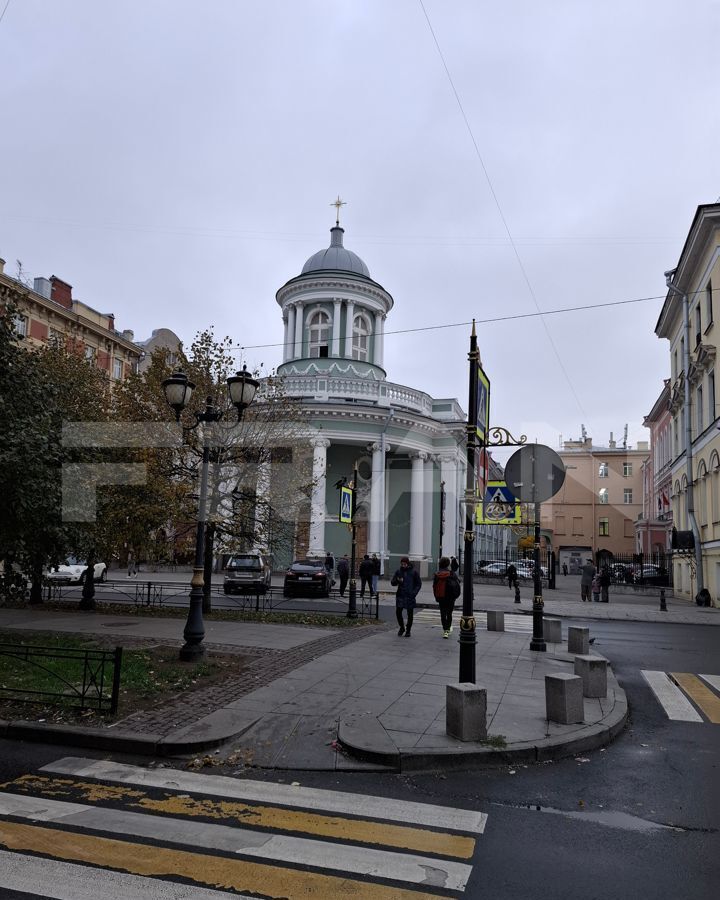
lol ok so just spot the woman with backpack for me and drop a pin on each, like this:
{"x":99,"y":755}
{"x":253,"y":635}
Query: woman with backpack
{"x":446,"y":590}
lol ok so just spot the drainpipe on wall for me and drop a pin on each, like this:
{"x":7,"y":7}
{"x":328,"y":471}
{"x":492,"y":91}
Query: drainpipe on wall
{"x":688,"y":430}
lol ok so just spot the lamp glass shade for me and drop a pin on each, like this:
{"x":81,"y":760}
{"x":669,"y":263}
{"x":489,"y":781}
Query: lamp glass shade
{"x":242,"y":388}
{"x":178,"y":390}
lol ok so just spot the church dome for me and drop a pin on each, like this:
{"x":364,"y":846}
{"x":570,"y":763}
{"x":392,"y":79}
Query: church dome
{"x":336,"y":257}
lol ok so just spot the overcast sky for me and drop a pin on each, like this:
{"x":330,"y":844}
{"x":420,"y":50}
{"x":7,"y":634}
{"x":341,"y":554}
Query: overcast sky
{"x":176,"y":161}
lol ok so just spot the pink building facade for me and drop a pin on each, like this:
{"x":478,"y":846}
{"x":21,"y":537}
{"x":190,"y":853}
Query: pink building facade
{"x":653,"y":527}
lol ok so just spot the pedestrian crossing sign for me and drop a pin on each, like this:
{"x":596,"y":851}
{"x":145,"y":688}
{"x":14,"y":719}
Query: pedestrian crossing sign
{"x":346,"y":505}
{"x":499,"y":506}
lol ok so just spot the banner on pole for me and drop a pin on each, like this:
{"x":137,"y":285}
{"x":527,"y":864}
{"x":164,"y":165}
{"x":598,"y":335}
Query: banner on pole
{"x":483,"y":406}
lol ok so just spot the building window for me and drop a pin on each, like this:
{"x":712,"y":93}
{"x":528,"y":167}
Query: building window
{"x":603,"y":470}
{"x":20,"y":323}
{"x":318,"y":334}
{"x":698,"y":325}
{"x":699,"y":418}
{"x":627,"y":470}
{"x":712,"y":412}
{"x":604,"y":529}
{"x":90,"y":355}
{"x":577,"y":525}
{"x":603,"y":495}
{"x":361,"y":339}
{"x":709,"y":304}
{"x":629,"y":528}
{"x":171,"y":358}
{"x":627,"y":495}
{"x":117,"y":369}
{"x":55,"y":339}
{"x":559,"y":524}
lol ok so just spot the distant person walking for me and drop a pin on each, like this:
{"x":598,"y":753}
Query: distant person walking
{"x":604,"y":578}
{"x":132,"y":565}
{"x":512,"y":576}
{"x":595,"y":587}
{"x":586,"y":579}
{"x":366,"y":574}
{"x":446,"y":590}
{"x":375,"y":573}
{"x":343,"y":570}
{"x":408,"y":584}
{"x":564,"y":568}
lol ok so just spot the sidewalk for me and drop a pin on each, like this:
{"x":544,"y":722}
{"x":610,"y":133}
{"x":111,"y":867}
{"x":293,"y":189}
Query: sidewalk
{"x":338,"y":700}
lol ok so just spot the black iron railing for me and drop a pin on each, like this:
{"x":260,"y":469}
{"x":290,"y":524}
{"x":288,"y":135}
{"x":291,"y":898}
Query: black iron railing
{"x":89,"y":679}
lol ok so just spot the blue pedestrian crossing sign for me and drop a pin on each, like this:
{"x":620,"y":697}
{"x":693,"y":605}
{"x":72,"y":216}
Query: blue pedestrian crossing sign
{"x":346,"y":505}
{"x":499,"y":506}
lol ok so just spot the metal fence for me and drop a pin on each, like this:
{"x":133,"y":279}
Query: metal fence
{"x":636,"y":568}
{"x":90,"y":679}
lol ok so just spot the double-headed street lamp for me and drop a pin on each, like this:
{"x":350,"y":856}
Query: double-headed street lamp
{"x":178,"y":391}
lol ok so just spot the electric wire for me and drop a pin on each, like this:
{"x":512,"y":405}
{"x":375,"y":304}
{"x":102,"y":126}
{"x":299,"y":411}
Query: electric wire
{"x":2,"y":14}
{"x":502,"y":215}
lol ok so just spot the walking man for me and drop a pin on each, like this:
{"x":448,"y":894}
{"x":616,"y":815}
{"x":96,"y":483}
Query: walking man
{"x":604,"y":579}
{"x":366,"y":574}
{"x":343,"y":570}
{"x":446,"y":590}
{"x":408,"y":584}
{"x":586,"y":579}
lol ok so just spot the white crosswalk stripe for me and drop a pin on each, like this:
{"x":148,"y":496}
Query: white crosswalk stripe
{"x":274,"y":839}
{"x":670,"y":697}
{"x":518,"y":623}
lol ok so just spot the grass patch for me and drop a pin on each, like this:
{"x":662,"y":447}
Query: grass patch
{"x":151,"y":675}
{"x":497,"y":741}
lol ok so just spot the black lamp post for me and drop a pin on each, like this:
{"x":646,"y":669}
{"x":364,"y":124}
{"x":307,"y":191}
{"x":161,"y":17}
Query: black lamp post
{"x":178,"y":391}
{"x":352,"y":593}
{"x":468,"y":639}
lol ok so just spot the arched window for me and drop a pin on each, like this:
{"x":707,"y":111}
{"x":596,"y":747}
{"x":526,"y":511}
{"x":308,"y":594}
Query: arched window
{"x":318,"y":334}
{"x":701,"y":493}
{"x":361,"y":339}
{"x":715,"y":486}
{"x":603,"y":495}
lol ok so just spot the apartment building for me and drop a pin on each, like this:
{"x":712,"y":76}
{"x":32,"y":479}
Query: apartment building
{"x":687,"y":321}
{"x":654,"y":527}
{"x":48,"y":313}
{"x":598,"y":504}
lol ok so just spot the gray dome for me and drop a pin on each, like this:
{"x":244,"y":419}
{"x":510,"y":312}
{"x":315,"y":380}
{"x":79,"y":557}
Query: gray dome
{"x":336,"y":257}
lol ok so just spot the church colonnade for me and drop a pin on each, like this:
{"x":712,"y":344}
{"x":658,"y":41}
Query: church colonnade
{"x":297,"y":314}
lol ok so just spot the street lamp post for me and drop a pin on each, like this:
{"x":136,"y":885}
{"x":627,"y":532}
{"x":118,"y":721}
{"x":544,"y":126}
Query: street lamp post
{"x":352,"y":593}
{"x":178,"y":391}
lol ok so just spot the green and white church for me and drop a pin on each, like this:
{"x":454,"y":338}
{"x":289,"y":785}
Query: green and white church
{"x":405,"y":443}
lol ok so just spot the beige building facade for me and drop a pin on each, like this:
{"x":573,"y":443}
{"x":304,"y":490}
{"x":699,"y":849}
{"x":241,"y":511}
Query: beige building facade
{"x":47,"y":314}
{"x":687,"y":321}
{"x":598,"y":504}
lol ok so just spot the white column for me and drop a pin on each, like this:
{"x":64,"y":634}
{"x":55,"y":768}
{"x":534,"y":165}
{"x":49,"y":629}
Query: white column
{"x":431,"y":519}
{"x":317,"y":498}
{"x":448,"y":474}
{"x":350,"y":316}
{"x":297,"y":353}
{"x":377,"y":499}
{"x":417,"y":486}
{"x":285,"y":338}
{"x":262,"y":506}
{"x":290,"y":338}
{"x":379,"y":353}
{"x":336,"y":336}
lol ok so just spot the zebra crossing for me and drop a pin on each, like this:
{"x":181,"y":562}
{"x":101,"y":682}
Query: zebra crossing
{"x":78,"y":823}
{"x":686,"y":697}
{"x":520,"y":624}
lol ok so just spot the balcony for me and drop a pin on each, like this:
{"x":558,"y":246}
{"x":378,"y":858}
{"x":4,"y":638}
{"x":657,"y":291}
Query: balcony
{"x":347,"y":390}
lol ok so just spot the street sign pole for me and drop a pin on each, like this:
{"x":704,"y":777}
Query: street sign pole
{"x":468,"y":638}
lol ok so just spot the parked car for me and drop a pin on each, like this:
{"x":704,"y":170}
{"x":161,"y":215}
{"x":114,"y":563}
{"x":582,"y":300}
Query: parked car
{"x":247,"y":572}
{"x":525,"y":568}
{"x":72,"y":571}
{"x":307,"y":577}
{"x":495,"y":568}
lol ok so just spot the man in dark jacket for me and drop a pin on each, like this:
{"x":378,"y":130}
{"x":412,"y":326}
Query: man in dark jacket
{"x":365,"y":572}
{"x":408,"y":584}
{"x":446,"y":590}
{"x":604,"y":578}
{"x":343,"y":570}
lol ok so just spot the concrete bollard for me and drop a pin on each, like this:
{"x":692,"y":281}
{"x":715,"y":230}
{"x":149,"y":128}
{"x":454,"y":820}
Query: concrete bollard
{"x":564,"y":698}
{"x":593,"y":671}
{"x":466,"y":712}
{"x":578,"y":640}
{"x":663,"y":604}
{"x":517,"y":592}
{"x":552,"y":630}
{"x":495,"y":620}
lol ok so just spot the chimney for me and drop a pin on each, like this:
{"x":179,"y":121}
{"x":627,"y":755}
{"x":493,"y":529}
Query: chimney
{"x":129,"y":335}
{"x":612,"y":441}
{"x":111,"y":321}
{"x":2,"y":266}
{"x":43,"y":287}
{"x":61,"y":292}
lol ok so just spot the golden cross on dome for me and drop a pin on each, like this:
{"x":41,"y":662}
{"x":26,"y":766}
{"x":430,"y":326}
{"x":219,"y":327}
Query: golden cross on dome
{"x":337,"y":204}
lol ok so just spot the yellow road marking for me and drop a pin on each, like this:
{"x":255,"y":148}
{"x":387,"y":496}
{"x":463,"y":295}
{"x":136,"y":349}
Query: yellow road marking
{"x":359,"y":830}
{"x":218,"y":872}
{"x":701,"y":695}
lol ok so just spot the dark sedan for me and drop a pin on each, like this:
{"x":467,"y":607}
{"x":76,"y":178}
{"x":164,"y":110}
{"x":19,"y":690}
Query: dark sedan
{"x":307,"y":578}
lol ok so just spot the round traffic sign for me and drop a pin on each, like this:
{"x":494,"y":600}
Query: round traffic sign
{"x":534,"y":473}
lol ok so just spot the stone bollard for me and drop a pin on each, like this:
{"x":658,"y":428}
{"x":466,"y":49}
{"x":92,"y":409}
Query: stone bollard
{"x":517,"y":592}
{"x":466,"y":712}
{"x":663,"y":604}
{"x":552,"y":630}
{"x":593,"y":671}
{"x":578,"y":639}
{"x":564,"y":698}
{"x":495,"y":620}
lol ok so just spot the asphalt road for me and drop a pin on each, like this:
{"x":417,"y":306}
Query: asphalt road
{"x":638,"y":820}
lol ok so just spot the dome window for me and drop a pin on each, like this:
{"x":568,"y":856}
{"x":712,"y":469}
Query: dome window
{"x":318,"y":334}
{"x":361,"y":339}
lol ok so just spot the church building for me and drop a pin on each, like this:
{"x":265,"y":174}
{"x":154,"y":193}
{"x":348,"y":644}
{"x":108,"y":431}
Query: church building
{"x":409,"y":448}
